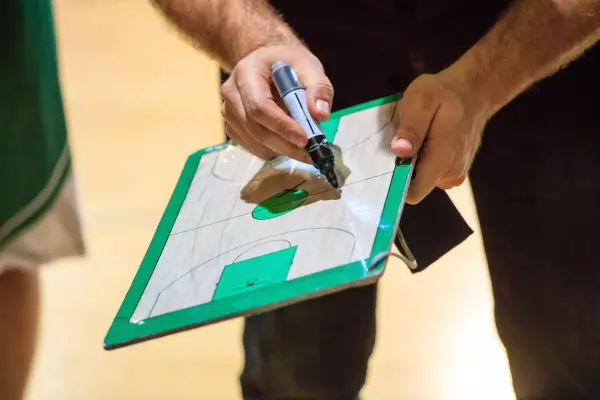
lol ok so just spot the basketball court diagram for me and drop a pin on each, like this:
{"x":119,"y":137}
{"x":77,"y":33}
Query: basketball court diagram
{"x":217,"y":241}
{"x":241,"y":236}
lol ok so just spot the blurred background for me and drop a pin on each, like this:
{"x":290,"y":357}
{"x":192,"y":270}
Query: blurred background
{"x":139,"y":100}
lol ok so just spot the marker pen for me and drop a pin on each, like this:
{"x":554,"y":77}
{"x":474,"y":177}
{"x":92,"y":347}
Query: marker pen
{"x":294,"y":96}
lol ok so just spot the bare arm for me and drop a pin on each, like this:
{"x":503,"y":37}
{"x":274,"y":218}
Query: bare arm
{"x":246,"y":37}
{"x":228,"y":30}
{"x":531,"y":41}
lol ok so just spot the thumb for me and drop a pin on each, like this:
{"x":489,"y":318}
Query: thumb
{"x":319,"y":95}
{"x":412,"y":130}
{"x":407,"y":142}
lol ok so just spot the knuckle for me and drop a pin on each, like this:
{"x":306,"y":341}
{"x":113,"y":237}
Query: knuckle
{"x":458,"y":179}
{"x":232,"y":133}
{"x":420,"y":82}
{"x":325,"y":87}
{"x":425,"y":77}
{"x":455,"y":180}
{"x":241,"y":65}
{"x":413,"y":198}
{"x":255,"y":107}
{"x":415,"y":189}
{"x":225,"y":90}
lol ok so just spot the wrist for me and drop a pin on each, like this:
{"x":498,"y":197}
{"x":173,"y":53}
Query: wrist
{"x":482,"y":87}
{"x":479,"y":94}
{"x":282,"y":36}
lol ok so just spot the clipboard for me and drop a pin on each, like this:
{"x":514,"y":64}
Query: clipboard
{"x":241,"y":236}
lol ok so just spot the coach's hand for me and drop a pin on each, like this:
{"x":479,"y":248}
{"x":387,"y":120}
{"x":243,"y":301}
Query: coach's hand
{"x":442,"y":124}
{"x":255,"y":120}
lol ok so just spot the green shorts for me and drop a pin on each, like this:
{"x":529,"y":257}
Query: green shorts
{"x":39,"y":221}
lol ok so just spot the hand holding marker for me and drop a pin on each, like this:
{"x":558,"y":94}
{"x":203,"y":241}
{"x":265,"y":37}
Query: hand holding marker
{"x":294,"y":96}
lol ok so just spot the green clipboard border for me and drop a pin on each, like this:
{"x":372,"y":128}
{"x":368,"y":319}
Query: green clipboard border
{"x":123,"y":331}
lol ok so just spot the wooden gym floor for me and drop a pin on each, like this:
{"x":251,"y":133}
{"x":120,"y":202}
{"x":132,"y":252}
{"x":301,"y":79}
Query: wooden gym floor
{"x":139,"y":100}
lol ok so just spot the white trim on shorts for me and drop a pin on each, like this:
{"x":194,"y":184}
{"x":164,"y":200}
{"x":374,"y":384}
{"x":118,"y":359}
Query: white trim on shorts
{"x":56,"y":234}
{"x":34,"y":205}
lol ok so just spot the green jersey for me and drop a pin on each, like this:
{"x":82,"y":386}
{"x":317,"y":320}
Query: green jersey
{"x":34,"y":154}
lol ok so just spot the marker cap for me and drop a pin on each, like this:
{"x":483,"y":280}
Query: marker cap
{"x":284,"y":78}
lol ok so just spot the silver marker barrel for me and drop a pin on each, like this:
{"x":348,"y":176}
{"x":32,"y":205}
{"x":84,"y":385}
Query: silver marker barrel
{"x":294,"y":97}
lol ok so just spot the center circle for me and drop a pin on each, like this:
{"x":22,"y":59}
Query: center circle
{"x":280,"y":204}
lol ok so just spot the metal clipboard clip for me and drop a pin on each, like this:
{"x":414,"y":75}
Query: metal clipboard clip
{"x":405,"y":254}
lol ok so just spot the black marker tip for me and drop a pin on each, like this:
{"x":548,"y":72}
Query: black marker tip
{"x":332,"y":178}
{"x":327,"y":169}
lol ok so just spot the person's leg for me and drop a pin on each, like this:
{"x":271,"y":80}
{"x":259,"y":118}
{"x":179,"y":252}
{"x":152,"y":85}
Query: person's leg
{"x":536,"y":184}
{"x":19,"y":304}
{"x":53,"y":235}
{"x":315,"y":350}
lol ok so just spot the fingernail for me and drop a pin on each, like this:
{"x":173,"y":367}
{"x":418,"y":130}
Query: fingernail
{"x":323,"y":106}
{"x":401,"y":142}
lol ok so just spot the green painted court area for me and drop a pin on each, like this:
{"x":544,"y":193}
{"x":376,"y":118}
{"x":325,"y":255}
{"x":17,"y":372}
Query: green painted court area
{"x":280,"y":204}
{"x":290,"y":199}
{"x":255,"y":273}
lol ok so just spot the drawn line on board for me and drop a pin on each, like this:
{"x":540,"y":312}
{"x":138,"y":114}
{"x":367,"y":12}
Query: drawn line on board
{"x":383,"y":128}
{"x":215,"y":160}
{"x":391,"y":119}
{"x":259,"y":244}
{"x":378,"y":131}
{"x":238,"y":247}
{"x":242,"y":215}
{"x":203,"y":212}
{"x":223,"y":229}
{"x":286,"y":191}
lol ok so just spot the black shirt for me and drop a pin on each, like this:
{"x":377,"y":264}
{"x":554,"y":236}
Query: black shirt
{"x":373,"y":48}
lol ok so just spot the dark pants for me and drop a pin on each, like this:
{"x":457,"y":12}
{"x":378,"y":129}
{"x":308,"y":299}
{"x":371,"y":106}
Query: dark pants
{"x":536,"y":183}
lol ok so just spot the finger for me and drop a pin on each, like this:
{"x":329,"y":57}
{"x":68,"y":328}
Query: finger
{"x":453,"y":178}
{"x":260,"y":140}
{"x":434,"y":161}
{"x":274,"y":142}
{"x":319,"y":91}
{"x":257,"y":99}
{"x":237,"y":132}
{"x":456,"y":176}
{"x":416,"y":112}
{"x":235,"y":136}
{"x":250,"y":145}
{"x":463,"y":159}
{"x":430,"y":167}
{"x":447,"y":184}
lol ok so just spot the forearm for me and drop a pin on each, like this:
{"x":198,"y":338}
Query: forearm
{"x":531,"y":41}
{"x":227,"y":29}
